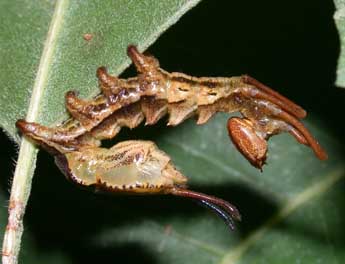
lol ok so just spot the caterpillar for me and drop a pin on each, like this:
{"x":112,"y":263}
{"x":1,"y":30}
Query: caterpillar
{"x":139,"y":166}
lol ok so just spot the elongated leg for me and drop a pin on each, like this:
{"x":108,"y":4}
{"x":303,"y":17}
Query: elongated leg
{"x":223,"y":208}
{"x":279,"y":101}
{"x":302,"y":130}
{"x":295,"y":109}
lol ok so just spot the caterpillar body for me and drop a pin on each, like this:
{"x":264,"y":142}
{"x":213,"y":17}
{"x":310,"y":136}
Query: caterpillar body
{"x":139,"y":166}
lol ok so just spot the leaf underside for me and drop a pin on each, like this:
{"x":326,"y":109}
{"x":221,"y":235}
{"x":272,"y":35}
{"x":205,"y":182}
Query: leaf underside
{"x":292,"y":212}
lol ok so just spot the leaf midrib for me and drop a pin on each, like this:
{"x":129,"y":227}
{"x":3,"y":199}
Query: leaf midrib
{"x":23,"y":174}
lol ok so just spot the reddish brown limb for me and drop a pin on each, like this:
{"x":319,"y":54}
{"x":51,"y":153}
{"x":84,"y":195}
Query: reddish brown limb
{"x":252,"y":92}
{"x":230,"y":209}
{"x":298,"y":136}
{"x":311,"y":141}
{"x":288,"y":105}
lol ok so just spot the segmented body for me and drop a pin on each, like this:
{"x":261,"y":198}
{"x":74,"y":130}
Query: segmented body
{"x":155,"y":93}
{"x":176,"y":98}
{"x":139,"y":166}
{"x":135,"y":100}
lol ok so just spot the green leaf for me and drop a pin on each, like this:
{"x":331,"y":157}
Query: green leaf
{"x":339,"y":18}
{"x":293,"y":212}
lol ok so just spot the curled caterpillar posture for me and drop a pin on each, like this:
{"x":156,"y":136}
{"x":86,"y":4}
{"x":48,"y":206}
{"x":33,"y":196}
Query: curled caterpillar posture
{"x":139,"y":166}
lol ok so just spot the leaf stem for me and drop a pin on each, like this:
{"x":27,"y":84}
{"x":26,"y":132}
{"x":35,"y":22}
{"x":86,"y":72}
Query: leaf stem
{"x":23,"y":174}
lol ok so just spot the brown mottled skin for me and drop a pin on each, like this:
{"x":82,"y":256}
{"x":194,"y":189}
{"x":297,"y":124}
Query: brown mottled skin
{"x":150,"y":96}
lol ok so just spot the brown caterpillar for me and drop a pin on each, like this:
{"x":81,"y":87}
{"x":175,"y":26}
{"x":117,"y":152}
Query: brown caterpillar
{"x":139,"y":166}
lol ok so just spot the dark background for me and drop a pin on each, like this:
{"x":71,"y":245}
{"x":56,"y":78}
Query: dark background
{"x":290,"y":45}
